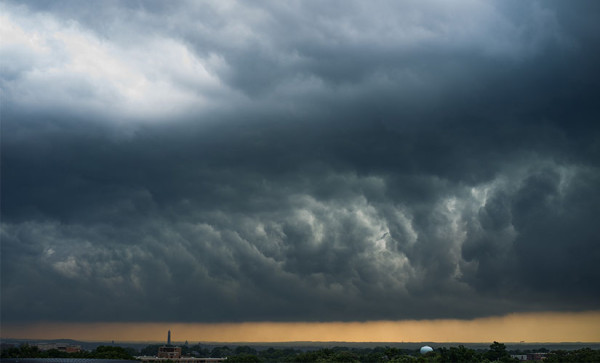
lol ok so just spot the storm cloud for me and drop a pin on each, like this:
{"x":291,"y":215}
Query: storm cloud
{"x":298,"y":161}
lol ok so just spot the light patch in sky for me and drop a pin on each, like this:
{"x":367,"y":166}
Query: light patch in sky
{"x":532,"y":327}
{"x":88,"y":73}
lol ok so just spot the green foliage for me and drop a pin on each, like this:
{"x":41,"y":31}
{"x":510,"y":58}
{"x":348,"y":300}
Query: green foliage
{"x":498,"y":352}
{"x":345,"y":357}
{"x":221,"y":352}
{"x":338,"y":354}
{"x":24,"y":351}
{"x":313,"y":356}
{"x":403,"y":359}
{"x":459,"y":354}
{"x":102,"y":352}
{"x":430,"y":357}
{"x":373,"y":355}
{"x":150,"y":350}
{"x":273,"y":355}
{"x":196,"y":351}
{"x":243,"y":353}
{"x":579,"y":355}
{"x":243,"y":357}
{"x":244,"y":349}
{"x":108,"y":352}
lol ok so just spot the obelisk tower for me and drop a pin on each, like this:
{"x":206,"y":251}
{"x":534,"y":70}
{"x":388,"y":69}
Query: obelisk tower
{"x":169,"y":337}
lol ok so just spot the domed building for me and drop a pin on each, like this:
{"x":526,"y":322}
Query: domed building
{"x":426,"y":349}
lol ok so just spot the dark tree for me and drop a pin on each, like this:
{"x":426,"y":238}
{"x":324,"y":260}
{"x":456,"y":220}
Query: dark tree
{"x":459,"y":354}
{"x":498,"y":352}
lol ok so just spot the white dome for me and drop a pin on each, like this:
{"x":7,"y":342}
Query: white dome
{"x":426,"y":349}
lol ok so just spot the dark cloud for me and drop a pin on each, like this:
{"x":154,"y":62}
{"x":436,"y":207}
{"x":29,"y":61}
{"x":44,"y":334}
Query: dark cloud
{"x":312,"y":161}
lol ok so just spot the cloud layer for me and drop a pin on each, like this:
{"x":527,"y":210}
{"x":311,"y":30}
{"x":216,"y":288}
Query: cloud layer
{"x":298,"y":161}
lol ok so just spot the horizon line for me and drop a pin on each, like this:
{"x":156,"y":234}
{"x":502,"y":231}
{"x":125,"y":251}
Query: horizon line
{"x":543,"y":327}
{"x":304,"y":341}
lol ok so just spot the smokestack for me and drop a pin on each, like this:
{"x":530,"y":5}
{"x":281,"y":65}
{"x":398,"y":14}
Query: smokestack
{"x":169,"y":338}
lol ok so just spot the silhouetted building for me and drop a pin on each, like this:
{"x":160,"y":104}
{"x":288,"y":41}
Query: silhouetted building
{"x":536,"y":356}
{"x":169,"y":352}
{"x":529,"y":357}
{"x":61,"y":347}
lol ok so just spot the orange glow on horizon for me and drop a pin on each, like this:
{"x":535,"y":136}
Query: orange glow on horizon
{"x":530,"y":327}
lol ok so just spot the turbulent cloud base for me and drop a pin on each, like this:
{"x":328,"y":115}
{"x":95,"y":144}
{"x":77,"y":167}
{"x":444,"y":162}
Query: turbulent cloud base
{"x":298,"y":161}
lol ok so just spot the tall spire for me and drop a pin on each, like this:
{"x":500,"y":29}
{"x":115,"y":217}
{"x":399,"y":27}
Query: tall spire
{"x":169,"y":338}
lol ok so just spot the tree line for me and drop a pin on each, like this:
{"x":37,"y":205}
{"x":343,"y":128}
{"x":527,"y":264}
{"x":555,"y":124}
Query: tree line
{"x":497,"y":352}
{"x":101,"y":352}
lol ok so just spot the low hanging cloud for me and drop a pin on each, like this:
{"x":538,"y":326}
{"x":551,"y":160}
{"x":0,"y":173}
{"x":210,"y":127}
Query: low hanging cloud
{"x":298,"y":162}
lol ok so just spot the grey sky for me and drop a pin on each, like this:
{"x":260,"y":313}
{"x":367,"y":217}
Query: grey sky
{"x":291,"y":161}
